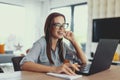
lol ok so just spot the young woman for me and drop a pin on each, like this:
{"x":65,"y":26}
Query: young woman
{"x":49,"y":52}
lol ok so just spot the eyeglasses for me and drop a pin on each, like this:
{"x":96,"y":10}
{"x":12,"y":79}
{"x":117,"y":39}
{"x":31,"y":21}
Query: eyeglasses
{"x":58,"y":25}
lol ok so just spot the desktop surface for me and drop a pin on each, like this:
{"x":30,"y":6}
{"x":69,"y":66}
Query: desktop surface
{"x":110,"y":74}
{"x":6,"y":58}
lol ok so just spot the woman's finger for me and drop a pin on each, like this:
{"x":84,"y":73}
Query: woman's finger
{"x":69,"y":71}
{"x":75,"y":66}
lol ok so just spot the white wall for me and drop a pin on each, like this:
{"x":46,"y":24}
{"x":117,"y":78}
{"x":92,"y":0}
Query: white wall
{"x":34,"y":15}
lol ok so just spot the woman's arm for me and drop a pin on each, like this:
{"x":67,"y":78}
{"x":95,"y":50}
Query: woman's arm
{"x":80,"y":53}
{"x":31,"y":66}
{"x":64,"y":68}
{"x":69,"y":35}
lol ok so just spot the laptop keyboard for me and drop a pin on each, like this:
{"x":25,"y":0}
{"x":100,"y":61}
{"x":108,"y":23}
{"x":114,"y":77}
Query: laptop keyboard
{"x":85,"y":67}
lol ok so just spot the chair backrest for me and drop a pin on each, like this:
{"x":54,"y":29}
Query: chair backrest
{"x":16,"y":62}
{"x":1,"y":71}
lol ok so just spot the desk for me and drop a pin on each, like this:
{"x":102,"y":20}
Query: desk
{"x":110,"y":74}
{"x":6,"y":58}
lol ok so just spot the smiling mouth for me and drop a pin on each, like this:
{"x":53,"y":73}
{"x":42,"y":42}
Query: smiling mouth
{"x":60,"y":33}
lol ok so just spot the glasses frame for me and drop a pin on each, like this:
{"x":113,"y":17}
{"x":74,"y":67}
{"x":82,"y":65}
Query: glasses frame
{"x":58,"y":25}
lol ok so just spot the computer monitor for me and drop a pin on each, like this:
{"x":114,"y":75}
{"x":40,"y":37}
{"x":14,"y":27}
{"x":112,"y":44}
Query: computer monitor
{"x":106,"y":28}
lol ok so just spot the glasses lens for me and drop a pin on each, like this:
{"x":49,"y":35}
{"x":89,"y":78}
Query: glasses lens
{"x":65,"y":25}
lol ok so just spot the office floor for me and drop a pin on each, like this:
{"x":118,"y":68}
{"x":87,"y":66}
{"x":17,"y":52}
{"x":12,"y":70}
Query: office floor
{"x":7,"y":67}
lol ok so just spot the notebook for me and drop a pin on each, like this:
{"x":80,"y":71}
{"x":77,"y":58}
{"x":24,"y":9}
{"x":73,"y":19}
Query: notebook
{"x":103,"y":57}
{"x":65,"y":76}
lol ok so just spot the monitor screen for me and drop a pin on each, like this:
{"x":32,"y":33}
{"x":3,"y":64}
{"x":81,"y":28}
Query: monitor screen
{"x":106,"y":28}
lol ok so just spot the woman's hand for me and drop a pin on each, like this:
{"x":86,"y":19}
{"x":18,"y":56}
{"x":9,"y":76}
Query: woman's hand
{"x":69,"y":35}
{"x":67,"y":68}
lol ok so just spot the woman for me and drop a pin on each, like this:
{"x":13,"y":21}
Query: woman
{"x":49,"y":52}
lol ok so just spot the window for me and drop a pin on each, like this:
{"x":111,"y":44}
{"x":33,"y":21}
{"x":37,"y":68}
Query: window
{"x":12,"y":25}
{"x":80,"y":24}
{"x":77,"y":16}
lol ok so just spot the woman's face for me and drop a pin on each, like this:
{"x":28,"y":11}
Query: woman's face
{"x":57,"y":28}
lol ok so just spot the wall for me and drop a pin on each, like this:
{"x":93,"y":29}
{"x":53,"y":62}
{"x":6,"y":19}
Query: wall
{"x":33,"y":20}
{"x":101,"y":9}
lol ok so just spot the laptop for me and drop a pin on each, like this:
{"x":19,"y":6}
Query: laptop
{"x":103,"y":57}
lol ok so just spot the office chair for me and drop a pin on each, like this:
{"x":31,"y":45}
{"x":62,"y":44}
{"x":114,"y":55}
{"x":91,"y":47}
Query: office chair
{"x":16,"y":62}
{"x":1,"y":71}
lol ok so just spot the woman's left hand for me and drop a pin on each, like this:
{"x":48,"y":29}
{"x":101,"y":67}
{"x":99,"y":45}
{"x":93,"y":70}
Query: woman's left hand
{"x":69,"y":35}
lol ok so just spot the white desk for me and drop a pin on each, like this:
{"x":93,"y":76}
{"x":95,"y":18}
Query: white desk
{"x":111,"y":74}
{"x":6,"y":58}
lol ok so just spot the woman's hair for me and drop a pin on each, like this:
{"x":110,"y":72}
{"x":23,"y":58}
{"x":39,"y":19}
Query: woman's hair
{"x":47,"y":30}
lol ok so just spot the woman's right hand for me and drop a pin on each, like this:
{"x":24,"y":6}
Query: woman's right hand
{"x":67,"y":68}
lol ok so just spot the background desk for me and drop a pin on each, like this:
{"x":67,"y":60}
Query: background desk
{"x":6,"y":58}
{"x":110,"y":74}
{"x":6,"y":63}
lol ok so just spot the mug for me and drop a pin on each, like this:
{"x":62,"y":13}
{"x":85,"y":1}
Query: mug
{"x":2,"y":50}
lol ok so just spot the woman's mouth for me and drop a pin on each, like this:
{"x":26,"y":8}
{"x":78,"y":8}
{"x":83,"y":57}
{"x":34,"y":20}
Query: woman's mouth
{"x":60,"y":33}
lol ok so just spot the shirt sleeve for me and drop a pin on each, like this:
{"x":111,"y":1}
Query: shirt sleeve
{"x":33,"y":54}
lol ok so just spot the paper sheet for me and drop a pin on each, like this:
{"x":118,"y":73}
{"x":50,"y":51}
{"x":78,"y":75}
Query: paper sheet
{"x":10,"y":75}
{"x":65,"y":76}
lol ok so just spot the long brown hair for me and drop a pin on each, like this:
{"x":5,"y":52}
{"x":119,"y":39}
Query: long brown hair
{"x":47,"y":30}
